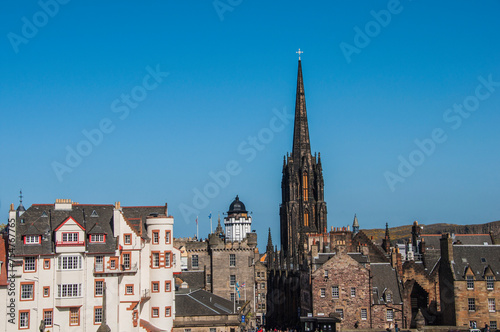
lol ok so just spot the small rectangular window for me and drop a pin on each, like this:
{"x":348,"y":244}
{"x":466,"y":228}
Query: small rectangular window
{"x":493,"y":325}
{"x":232,"y":280}
{"x":470,"y":282}
{"x":335,"y":292}
{"x":47,"y":317}
{"x":156,"y":259}
{"x":97,"y":315}
{"x":322,"y":292}
{"x":364,"y":315}
{"x":471,"y":304}
{"x":155,"y":286}
{"x":129,"y":289}
{"x":167,"y":237}
{"x":232,"y":260}
{"x":390,"y":314}
{"x":492,"y":305}
{"x":340,"y":312}
{"x":194,"y":261}
{"x":24,"y":319}
{"x":127,"y":238}
{"x":29,"y":264}
{"x":155,"y":312}
{"x":99,"y":284}
{"x":353,"y":291}
{"x":74,"y":316}
{"x":156,"y":237}
{"x":489,"y":282}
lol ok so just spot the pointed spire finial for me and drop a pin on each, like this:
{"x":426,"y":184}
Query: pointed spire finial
{"x":299,"y":52}
{"x":21,"y":197}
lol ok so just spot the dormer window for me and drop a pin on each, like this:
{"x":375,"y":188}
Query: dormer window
{"x":32,"y":239}
{"x":97,"y":238}
{"x":388,"y":297}
{"x":470,"y":282}
{"x":70,"y":237}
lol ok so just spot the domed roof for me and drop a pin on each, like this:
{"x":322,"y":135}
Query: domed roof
{"x":237,"y":206}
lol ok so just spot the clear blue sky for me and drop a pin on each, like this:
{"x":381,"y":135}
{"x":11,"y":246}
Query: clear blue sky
{"x":228,"y":69}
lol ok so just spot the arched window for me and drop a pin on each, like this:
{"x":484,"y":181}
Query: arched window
{"x":306,"y":218}
{"x":305,"y":187}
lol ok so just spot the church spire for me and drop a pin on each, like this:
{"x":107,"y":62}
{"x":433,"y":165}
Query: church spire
{"x":301,"y":144}
{"x":269,"y":246}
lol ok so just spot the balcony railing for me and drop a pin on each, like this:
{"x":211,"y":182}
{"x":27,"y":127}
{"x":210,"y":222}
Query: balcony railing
{"x":70,"y":243}
{"x":100,"y":268}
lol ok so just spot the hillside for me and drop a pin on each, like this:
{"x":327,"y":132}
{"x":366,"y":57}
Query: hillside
{"x":404,"y":232}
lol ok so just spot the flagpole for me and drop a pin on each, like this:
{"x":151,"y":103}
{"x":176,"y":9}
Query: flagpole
{"x":210,"y":222}
{"x":197,"y":237}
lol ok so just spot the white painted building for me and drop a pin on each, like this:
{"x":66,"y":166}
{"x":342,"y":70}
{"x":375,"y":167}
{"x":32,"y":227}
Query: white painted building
{"x":66,"y":252}
{"x":238,"y":223}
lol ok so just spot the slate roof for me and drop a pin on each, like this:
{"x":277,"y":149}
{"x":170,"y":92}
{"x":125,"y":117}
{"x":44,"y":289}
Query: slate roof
{"x":195,"y":279}
{"x":384,"y":278}
{"x":136,"y":216}
{"x":201,"y":303}
{"x":43,"y":219}
{"x":478,"y":258}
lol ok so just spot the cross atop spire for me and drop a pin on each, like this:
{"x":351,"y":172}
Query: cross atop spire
{"x":299,"y":52}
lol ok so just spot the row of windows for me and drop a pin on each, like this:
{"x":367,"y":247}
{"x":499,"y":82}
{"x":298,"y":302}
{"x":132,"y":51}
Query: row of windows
{"x":156,"y":237}
{"x":74,"y":262}
{"x":155,"y":259}
{"x":48,"y":317}
{"x":471,"y":304}
{"x":155,"y":286}
{"x":155,"y":312}
{"x":232,"y":261}
{"x":490,"y":282}
{"x":493,"y":325}
{"x":389,"y":315}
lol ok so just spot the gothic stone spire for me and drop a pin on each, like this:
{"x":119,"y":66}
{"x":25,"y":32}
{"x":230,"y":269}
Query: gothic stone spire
{"x":301,"y":144}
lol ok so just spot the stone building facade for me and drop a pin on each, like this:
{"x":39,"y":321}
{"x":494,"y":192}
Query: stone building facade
{"x":469,"y":287}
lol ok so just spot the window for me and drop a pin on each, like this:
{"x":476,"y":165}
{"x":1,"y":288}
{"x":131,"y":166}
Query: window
{"x":353,"y":291}
{"x":99,"y":263}
{"x":112,"y":263}
{"x":155,"y":312}
{"x":470,"y":282}
{"x":493,"y":325}
{"x":232,"y":280}
{"x":126,"y":261}
{"x":129,"y":289}
{"x":306,"y":218}
{"x":168,"y":237}
{"x":322,"y":292}
{"x":232,"y":297}
{"x":325,"y":274}
{"x":32,"y":239}
{"x":69,"y":262}
{"x":364,"y":315}
{"x":194,"y":261}
{"x":69,"y":290}
{"x":97,"y":315}
{"x":209,"y":278}
{"x":168,"y":286}
{"x":390,"y":314}
{"x":388,"y":297}
{"x":46,"y":264}
{"x":98,"y":287}
{"x":263,"y":285}
{"x":472,"y":324}
{"x":155,"y":286}
{"x":70,"y":237}
{"x":24,"y":319}
{"x":47,"y":317}
{"x":46,"y":291}
{"x":472,"y":304}
{"x":97,"y":238}
{"x":187,"y":330}
{"x":213,"y":329}
{"x":335,"y":292}
{"x":491,"y":305}
{"x":167,"y":312}
{"x":489,"y":282}
{"x":167,"y":258}
{"x":156,"y":237}
{"x":27,"y":293}
{"x":156,"y":259}
{"x":29,"y":264}
{"x":232,"y":260}
{"x":127,"y":238}
{"x":74,"y":316}
{"x":305,"y":186}
{"x":340,"y":312}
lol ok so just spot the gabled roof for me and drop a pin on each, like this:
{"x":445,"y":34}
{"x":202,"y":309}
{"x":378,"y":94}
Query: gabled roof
{"x":384,"y":279}
{"x":478,"y":258}
{"x":66,"y":220}
{"x":432,"y":240}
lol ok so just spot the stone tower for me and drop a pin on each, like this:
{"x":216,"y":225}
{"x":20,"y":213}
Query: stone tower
{"x":303,"y":209}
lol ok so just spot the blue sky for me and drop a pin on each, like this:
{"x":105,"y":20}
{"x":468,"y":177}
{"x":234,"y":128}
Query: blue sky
{"x":223,"y":70}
